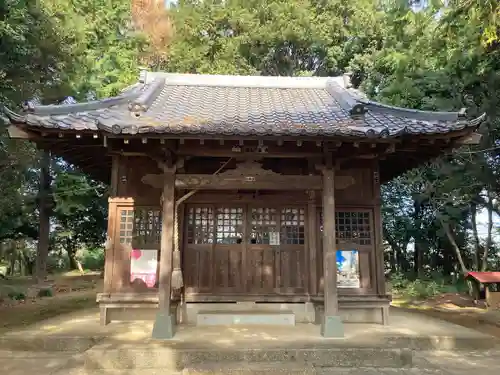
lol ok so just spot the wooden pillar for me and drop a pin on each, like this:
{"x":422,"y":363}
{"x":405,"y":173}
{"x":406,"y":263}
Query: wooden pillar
{"x":165,"y":320}
{"x":312,"y":230}
{"x":113,"y":223}
{"x":331,"y":325}
{"x":378,"y":232}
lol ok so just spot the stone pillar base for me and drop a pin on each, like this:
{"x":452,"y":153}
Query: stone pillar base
{"x":332,"y":326}
{"x":164,"y":326}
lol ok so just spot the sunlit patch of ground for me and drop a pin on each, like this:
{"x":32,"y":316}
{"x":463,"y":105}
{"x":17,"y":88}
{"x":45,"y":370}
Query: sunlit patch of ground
{"x":71,"y":292}
{"x":455,"y":308}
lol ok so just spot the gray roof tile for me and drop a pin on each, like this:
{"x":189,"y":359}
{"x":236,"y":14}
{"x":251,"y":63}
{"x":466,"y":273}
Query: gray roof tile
{"x":234,"y":105}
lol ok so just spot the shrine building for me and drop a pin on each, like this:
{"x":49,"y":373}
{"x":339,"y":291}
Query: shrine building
{"x":243,"y":199}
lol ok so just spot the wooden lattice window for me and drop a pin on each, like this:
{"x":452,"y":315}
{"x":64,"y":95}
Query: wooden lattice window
{"x":126,"y":226}
{"x":292,"y":226}
{"x":352,"y":227}
{"x":200,"y":225}
{"x":140,"y":227}
{"x":264,"y":226}
{"x":147,"y":227}
{"x":229,"y":225}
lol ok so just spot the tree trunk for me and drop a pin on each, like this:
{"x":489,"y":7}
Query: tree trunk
{"x":418,"y":255}
{"x":487,"y":247}
{"x":451,"y":238}
{"x":71,"y":251}
{"x":475,"y":235}
{"x":45,"y":210}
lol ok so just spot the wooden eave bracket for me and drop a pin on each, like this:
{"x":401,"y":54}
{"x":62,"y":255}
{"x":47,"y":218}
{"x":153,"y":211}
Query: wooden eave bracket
{"x":15,"y":132}
{"x":470,"y":140}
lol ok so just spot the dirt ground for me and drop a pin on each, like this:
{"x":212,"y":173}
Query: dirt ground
{"x":455,"y":308}
{"x":70,"y":292}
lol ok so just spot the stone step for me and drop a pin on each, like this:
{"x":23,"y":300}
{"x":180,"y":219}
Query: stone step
{"x":179,"y":359}
{"x":281,"y":369}
{"x":238,"y":370}
{"x":250,"y":369}
{"x":225,"y":318}
{"x":49,"y":343}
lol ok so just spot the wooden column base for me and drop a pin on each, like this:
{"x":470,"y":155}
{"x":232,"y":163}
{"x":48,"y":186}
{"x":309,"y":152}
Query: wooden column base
{"x":332,"y":326}
{"x":164,"y":327}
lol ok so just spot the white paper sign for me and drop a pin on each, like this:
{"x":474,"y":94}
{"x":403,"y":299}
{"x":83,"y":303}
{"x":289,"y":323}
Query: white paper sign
{"x":143,"y":266}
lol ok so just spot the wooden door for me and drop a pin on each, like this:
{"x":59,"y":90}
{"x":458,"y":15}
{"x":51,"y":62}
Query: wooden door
{"x":292,"y":254}
{"x":229,"y":250}
{"x":276,"y":252}
{"x":249,"y":250}
{"x":262,"y":250}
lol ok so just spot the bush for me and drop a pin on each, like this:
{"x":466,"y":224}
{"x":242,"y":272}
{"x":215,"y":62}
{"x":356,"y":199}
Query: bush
{"x":417,"y":289}
{"x":93,"y":259}
{"x":17,"y":295}
{"x":45,"y":292}
{"x":57,"y":262}
{"x":12,"y":292}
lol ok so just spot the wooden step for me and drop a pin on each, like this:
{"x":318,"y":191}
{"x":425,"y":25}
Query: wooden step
{"x":225,"y":318}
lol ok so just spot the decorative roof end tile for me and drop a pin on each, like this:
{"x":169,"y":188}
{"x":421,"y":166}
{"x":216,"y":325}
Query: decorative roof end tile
{"x":346,"y":101}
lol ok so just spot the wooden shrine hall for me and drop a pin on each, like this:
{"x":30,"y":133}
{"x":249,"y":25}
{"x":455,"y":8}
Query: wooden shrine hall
{"x":243,"y":199}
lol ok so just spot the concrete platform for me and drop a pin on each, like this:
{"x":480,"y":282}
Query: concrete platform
{"x":127,"y":347}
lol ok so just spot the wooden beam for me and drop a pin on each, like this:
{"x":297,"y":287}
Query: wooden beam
{"x":253,"y":182}
{"x":115,"y":167}
{"x":471,"y":140}
{"x":255,"y":149}
{"x":18,"y":133}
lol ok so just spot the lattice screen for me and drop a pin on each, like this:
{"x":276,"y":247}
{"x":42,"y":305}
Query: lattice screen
{"x":229,"y":225}
{"x":292,"y":226}
{"x":200,"y":225}
{"x":126,"y":226}
{"x":140,"y":227}
{"x":264,"y":226}
{"x":352,"y":226}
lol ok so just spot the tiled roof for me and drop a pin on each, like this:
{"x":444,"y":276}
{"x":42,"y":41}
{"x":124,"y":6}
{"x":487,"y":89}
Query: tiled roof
{"x":189,"y":104}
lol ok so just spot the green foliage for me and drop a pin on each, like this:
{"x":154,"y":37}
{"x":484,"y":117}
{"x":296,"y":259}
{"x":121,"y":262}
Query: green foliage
{"x":100,"y":43}
{"x":276,"y":37}
{"x":419,"y":288}
{"x":93,"y":259}
{"x":32,"y":52}
{"x":17,"y":295}
{"x":45,"y":292}
{"x":80,"y":212}
{"x":444,"y":57}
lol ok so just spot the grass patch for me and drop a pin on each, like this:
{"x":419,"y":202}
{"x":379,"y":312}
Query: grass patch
{"x":23,"y":315}
{"x":422,"y":288}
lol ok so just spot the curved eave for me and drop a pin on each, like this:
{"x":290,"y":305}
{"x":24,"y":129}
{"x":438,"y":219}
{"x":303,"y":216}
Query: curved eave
{"x":139,"y":111}
{"x":130,"y":129}
{"x":32,"y":113}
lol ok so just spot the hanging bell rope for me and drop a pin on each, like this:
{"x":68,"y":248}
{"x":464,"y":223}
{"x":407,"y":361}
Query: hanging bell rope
{"x":177,"y":278}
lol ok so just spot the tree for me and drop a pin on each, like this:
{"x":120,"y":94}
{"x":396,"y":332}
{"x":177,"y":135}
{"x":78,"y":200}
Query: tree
{"x":80,"y":213}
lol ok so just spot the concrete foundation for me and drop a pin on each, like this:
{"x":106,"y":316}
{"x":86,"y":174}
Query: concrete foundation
{"x":224,"y":318}
{"x":299,"y":312}
{"x":303,"y":312}
{"x":164,"y":326}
